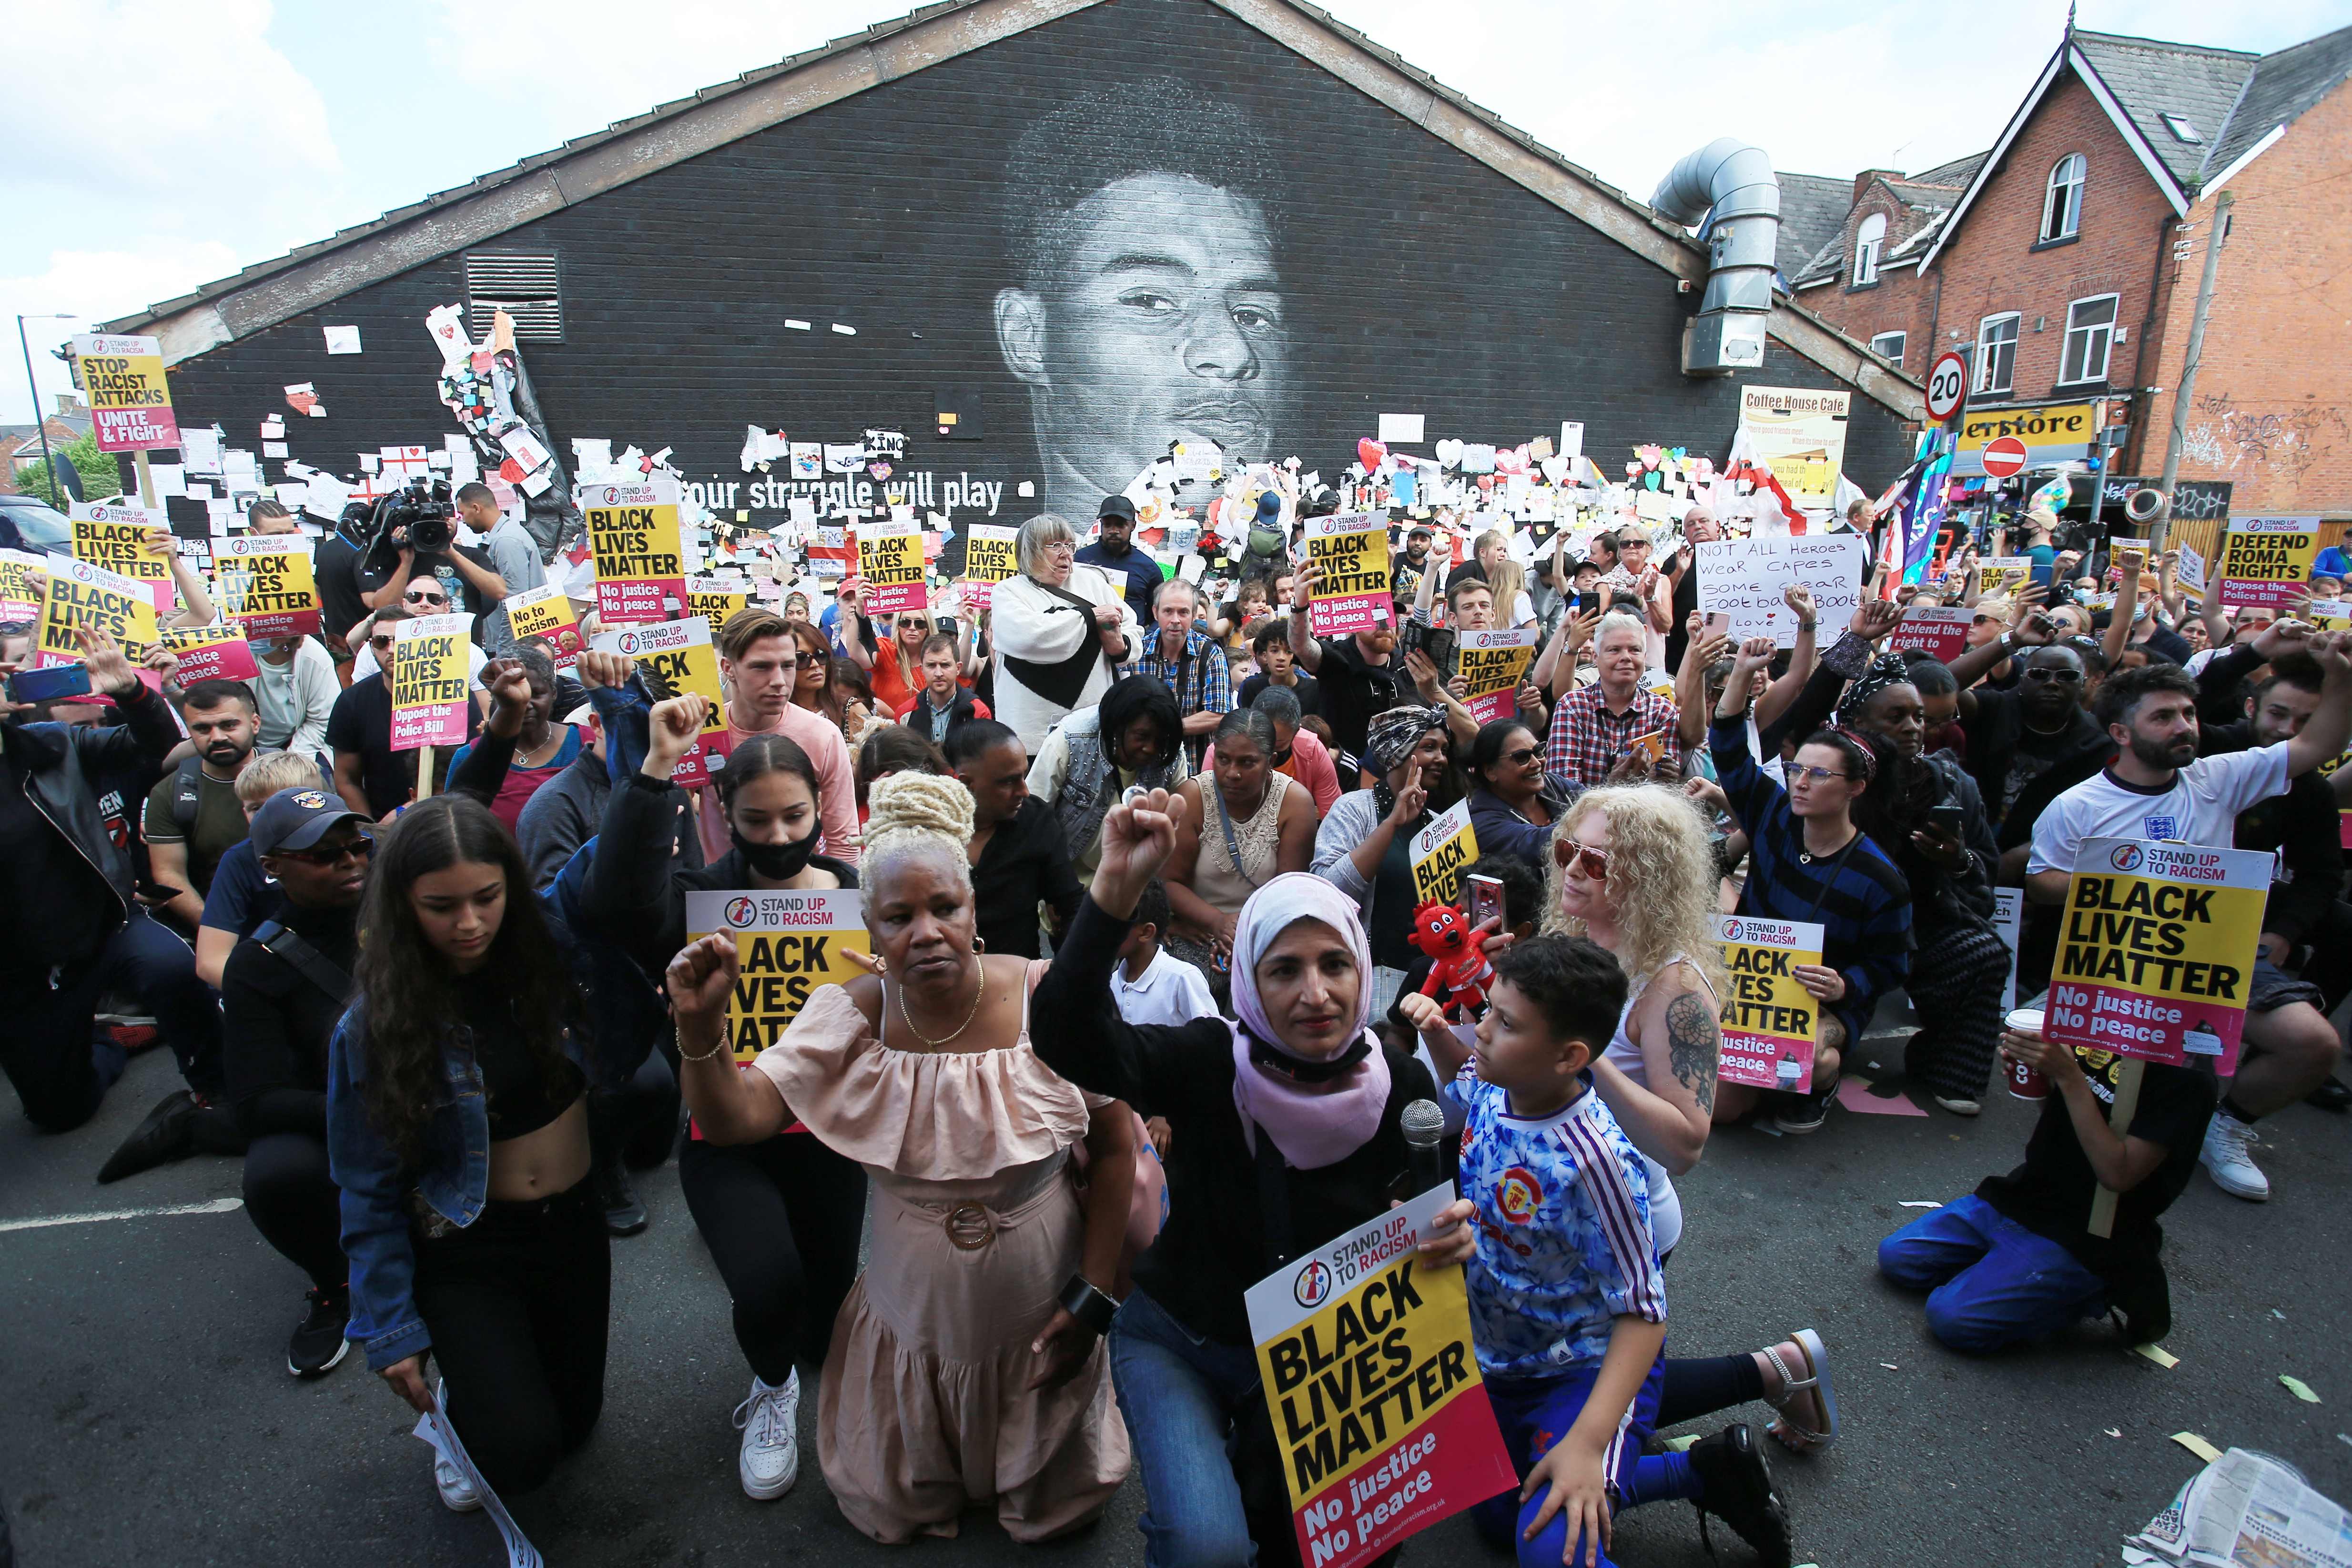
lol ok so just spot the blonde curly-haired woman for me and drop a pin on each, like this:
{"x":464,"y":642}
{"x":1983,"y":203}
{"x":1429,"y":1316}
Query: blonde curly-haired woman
{"x":1632,"y":869}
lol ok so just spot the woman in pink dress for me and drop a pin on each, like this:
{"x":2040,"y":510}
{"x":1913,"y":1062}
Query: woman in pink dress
{"x":967,"y":1366}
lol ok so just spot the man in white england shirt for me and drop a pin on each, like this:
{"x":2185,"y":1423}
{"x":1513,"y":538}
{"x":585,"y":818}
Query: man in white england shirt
{"x":2157,"y":787}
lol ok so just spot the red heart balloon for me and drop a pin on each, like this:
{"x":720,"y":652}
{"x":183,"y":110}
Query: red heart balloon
{"x":1371,"y":452}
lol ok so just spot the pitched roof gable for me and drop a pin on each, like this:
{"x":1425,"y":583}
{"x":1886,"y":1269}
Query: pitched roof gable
{"x":2149,"y":80}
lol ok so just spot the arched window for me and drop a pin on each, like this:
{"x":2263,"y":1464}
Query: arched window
{"x":1867,"y":241}
{"x":2062,"y":206}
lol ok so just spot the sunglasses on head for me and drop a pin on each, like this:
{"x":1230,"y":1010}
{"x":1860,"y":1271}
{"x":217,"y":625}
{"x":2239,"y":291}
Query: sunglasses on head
{"x":1594,"y":862}
{"x":333,"y":854}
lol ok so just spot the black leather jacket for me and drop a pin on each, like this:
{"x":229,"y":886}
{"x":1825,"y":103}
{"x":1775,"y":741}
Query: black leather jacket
{"x":60,"y":764}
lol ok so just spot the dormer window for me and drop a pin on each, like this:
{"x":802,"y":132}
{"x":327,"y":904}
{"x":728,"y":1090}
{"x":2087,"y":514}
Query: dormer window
{"x":1868,"y":240}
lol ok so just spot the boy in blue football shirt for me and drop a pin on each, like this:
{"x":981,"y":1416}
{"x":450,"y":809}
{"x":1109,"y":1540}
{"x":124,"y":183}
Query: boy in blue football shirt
{"x":1568,"y":1305}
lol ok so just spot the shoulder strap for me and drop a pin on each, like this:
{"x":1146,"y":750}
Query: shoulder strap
{"x":312,"y":965}
{"x":187,"y":792}
{"x":1225,"y":820}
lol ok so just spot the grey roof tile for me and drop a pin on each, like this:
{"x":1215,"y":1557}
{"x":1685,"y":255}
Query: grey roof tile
{"x":2149,"y":79}
{"x":2284,"y":85}
{"x":1812,"y":210}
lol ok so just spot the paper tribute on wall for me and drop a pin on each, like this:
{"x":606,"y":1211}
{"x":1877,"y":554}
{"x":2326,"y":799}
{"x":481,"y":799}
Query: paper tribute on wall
{"x":1402,"y":427}
{"x":302,"y":397}
{"x":342,"y":339}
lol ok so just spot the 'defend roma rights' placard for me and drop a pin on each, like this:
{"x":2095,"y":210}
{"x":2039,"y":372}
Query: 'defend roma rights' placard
{"x":1379,"y":1411}
{"x":2157,"y":950}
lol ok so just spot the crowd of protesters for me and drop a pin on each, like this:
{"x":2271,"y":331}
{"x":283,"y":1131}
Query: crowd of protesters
{"x":1145,"y":1005}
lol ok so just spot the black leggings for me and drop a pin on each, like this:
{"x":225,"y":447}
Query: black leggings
{"x":782,"y":1219}
{"x":295,"y":1205}
{"x":519,"y":1304}
{"x":1703,"y":1386}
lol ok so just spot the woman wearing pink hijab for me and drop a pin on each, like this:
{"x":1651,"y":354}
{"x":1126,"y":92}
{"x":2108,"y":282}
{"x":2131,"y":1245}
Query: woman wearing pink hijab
{"x":1284,"y":1134}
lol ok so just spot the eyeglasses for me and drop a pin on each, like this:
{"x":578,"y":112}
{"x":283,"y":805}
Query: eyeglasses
{"x":1594,"y":862}
{"x":1817,"y":775}
{"x":332,"y":854}
{"x":1523,"y":755}
{"x":2046,"y":673}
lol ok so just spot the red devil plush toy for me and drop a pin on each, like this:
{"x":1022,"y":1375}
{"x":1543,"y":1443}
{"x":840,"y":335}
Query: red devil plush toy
{"x":1458,"y":970}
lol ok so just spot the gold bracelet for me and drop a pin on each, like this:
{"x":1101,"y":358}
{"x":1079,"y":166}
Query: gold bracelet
{"x":720,"y":1045}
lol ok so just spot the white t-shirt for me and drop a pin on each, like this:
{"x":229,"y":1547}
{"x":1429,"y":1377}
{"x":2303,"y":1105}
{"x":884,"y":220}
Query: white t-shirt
{"x":1170,"y":992}
{"x":2200,"y":807}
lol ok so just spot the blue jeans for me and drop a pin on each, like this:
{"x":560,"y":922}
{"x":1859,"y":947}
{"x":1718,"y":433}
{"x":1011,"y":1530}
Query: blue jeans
{"x":1185,"y":1399}
{"x":1990,"y":1281}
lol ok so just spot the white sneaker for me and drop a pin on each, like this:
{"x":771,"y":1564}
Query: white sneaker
{"x":457,"y":1493}
{"x":2227,"y":1157}
{"x":770,"y":1460}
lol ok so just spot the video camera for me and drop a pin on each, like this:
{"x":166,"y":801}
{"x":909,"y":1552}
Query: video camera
{"x":420,"y":515}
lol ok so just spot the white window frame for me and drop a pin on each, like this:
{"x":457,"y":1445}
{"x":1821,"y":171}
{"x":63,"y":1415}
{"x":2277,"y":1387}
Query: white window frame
{"x":1868,"y":240}
{"x":2183,"y":129}
{"x":1985,"y":344}
{"x":2062,"y":201}
{"x":2102,"y":332}
{"x":1898,"y":339}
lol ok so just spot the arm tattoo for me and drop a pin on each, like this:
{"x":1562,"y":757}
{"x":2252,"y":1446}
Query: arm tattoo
{"x":1693,"y":1040}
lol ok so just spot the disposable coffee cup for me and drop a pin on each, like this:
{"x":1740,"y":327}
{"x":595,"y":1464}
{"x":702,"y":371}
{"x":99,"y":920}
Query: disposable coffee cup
{"x":2025,"y":1083}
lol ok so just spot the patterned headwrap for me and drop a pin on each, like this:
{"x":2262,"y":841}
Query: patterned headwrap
{"x":1884,"y":670}
{"x":1395,"y":733}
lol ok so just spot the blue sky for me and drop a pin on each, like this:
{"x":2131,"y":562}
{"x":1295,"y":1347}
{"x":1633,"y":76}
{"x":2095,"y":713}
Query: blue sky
{"x":263,"y":127}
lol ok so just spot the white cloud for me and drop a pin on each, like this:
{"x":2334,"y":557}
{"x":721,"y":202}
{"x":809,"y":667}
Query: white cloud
{"x":197,"y":98}
{"x":94,"y":285}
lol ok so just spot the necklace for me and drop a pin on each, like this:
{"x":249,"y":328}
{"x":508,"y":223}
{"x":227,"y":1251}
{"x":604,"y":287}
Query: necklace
{"x":1804,"y":857}
{"x":978,"y":997}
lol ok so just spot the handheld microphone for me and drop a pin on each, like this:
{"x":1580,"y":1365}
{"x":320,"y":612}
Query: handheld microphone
{"x":1424,"y":1125}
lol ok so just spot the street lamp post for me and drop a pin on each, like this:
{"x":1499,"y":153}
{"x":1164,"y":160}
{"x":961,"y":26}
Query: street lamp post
{"x":40,"y":424}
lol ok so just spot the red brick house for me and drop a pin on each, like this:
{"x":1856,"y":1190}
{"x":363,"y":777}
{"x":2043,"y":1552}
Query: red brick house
{"x":2064,"y":262}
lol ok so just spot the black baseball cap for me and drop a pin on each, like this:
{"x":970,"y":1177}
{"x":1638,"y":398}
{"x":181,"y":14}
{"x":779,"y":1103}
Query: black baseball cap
{"x":297,"y":819}
{"x":1116,"y":506}
{"x":1418,"y":532}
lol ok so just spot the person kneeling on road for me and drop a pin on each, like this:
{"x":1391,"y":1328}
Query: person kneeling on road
{"x":2016,"y":1259}
{"x":282,"y":992}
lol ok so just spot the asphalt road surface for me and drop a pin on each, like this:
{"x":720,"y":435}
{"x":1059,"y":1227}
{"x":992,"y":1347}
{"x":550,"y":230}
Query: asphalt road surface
{"x":148,"y":1416}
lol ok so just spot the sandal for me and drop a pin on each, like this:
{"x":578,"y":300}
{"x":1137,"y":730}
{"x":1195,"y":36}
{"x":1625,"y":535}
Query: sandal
{"x":1791,"y":1433}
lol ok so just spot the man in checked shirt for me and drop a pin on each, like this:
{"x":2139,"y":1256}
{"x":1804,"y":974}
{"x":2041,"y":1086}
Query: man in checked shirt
{"x":1188,"y":660}
{"x":1595,"y":725}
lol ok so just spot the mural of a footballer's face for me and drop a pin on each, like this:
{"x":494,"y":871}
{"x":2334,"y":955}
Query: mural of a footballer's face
{"x":1164,"y":321}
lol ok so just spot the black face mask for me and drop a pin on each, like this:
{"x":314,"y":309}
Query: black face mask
{"x":778,"y":862}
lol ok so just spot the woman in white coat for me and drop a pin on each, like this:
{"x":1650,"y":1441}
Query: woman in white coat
{"x":1060,"y":630}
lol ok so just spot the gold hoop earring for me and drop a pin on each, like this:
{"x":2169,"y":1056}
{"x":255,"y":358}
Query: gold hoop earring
{"x":977,"y":944}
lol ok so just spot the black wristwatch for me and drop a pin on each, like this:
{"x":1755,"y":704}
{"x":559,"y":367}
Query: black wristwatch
{"x":1092,"y":1308}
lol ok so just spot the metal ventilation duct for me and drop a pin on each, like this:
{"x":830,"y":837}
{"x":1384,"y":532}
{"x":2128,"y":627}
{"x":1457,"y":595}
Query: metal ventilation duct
{"x":1728,"y":185}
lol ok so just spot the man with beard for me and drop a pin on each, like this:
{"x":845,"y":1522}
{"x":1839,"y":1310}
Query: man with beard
{"x":1115,"y":552}
{"x":1147,"y":308}
{"x":2157,"y":787}
{"x":193,"y":815}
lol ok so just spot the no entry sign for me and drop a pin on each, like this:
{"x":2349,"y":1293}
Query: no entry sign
{"x":2004,"y":456}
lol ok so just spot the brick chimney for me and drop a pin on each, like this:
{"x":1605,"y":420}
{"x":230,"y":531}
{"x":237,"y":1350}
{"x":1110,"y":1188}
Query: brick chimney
{"x":1861,"y":181}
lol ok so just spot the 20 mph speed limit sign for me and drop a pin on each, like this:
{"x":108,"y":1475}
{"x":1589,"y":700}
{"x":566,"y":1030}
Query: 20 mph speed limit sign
{"x":1948,"y":385}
